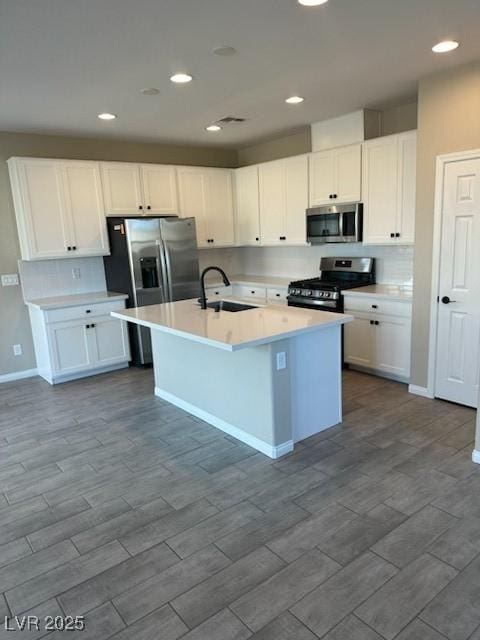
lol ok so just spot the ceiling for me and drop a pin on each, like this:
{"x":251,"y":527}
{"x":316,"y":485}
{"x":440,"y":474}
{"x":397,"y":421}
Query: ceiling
{"x":64,"y":61}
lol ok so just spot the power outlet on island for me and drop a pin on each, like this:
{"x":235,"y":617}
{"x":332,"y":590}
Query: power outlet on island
{"x":281,"y":360}
{"x":17,"y":350}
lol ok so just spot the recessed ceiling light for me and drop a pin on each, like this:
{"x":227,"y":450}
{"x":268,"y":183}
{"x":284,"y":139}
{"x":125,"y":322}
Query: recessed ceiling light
{"x":181,"y":78}
{"x":445,"y":46}
{"x":224,"y":50}
{"x":312,"y":3}
{"x":294,"y":100}
{"x":150,"y":91}
{"x":213,"y":127}
{"x":106,"y":116}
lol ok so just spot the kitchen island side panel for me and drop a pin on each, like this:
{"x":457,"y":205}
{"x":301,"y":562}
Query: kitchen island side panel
{"x":240,"y":389}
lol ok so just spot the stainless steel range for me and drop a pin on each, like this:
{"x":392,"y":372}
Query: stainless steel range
{"x":336,"y":274}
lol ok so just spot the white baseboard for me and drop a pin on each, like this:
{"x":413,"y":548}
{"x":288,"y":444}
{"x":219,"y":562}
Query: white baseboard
{"x":83,"y":374}
{"x":18,"y":375}
{"x":476,"y":456}
{"x":267,"y":449}
{"x":420,"y":391}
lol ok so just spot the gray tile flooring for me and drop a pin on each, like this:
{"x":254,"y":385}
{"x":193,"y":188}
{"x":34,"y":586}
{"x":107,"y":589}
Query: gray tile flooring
{"x":154,"y":525}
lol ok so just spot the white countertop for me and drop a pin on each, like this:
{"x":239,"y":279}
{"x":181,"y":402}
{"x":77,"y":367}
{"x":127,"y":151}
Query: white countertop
{"x":231,"y":331}
{"x":59,"y":302}
{"x":251,"y":281}
{"x":384,"y":291}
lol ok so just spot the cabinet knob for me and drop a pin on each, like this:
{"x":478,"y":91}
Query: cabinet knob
{"x":278,"y":295}
{"x":372,"y":322}
{"x":335,"y":195}
{"x":283,"y":237}
{"x":92,"y":325}
{"x":140,"y":207}
{"x":392,"y":235}
{"x":397,"y":235}
{"x":252,"y":292}
{"x":88,"y":311}
{"x":74,"y":248}
{"x":69,"y":248}
{"x":149,"y":207}
{"x":374,"y":306}
{"x":376,"y":322}
{"x":257,"y":239}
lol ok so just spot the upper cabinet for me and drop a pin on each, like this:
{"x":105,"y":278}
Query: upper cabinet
{"x":59,"y":208}
{"x":335,"y":175}
{"x":389,"y":181}
{"x":283,"y":188}
{"x":145,"y":189}
{"x":247,"y":212}
{"x":206,"y":194}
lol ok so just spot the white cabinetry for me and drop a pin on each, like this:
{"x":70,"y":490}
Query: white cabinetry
{"x":283,"y":188}
{"x":247,"y":211}
{"x":59,"y":208}
{"x":335,"y":175}
{"x":379,"y":337}
{"x":206,"y":194}
{"x":389,"y":182}
{"x":79,"y":341}
{"x":145,"y":189}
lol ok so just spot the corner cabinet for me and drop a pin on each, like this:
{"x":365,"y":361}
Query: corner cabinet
{"x":247,"y":208}
{"x":206,"y":194}
{"x":59,"y":208}
{"x":283,"y":189}
{"x":379,"y":338}
{"x":335,"y":175}
{"x":139,"y":189}
{"x":79,"y":341}
{"x":389,"y":187}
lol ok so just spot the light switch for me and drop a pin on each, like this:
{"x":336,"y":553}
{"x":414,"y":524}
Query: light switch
{"x":281,"y":360}
{"x":10,"y":280}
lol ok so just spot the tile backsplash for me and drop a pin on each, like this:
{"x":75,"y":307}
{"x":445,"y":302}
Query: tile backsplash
{"x":394,"y":265}
{"x":47,"y":278}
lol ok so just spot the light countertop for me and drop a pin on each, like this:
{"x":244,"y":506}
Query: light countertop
{"x":231,"y":331}
{"x":59,"y":302}
{"x":251,"y":281}
{"x":383,"y":291}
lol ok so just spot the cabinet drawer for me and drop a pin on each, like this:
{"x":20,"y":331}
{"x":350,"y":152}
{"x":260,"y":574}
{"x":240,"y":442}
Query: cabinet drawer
{"x":373,"y":305}
{"x":83,"y":311}
{"x":218,"y":292}
{"x":277,"y":295}
{"x":243,"y":291}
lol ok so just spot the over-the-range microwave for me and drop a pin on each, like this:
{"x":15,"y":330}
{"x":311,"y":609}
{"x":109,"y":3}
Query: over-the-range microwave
{"x":335,"y":223}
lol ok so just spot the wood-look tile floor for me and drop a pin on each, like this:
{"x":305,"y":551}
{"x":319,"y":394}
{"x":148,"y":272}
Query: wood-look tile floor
{"x":154,"y":525}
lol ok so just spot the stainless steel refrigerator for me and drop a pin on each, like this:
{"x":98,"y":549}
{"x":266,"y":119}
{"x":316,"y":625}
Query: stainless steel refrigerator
{"x":153,"y":260}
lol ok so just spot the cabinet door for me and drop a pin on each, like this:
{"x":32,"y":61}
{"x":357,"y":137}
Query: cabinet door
{"x":109,"y":341}
{"x":358,"y":342}
{"x":348,"y":174}
{"x":247,"y":214}
{"x":380,"y":184}
{"x":407,"y":177}
{"x":323,"y":179}
{"x":392,"y":346}
{"x":219,"y":212}
{"x":159,"y":189}
{"x":192,"y":187}
{"x":272,"y":189}
{"x":296,"y":199}
{"x":38,"y":194}
{"x":122,"y":188}
{"x":84,"y":203}
{"x":69,"y":346}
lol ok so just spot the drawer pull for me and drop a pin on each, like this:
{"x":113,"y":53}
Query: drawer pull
{"x":374,"y":306}
{"x":88,"y":311}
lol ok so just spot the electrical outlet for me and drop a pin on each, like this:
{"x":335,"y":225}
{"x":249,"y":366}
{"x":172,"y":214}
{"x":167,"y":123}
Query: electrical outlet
{"x":17,"y":350}
{"x":76,"y":273}
{"x":10,"y":280}
{"x":281,"y":360}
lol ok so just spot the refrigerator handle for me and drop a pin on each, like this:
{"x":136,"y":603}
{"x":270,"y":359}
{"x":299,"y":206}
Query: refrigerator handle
{"x":164,"y":264}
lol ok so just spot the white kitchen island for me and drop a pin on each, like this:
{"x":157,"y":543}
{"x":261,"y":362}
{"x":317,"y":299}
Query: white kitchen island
{"x":269,"y":376}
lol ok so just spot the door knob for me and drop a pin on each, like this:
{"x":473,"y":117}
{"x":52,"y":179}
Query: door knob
{"x":446,"y":300}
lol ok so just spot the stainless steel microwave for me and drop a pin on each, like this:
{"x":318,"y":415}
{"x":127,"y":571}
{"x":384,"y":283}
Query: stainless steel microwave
{"x":335,"y":223}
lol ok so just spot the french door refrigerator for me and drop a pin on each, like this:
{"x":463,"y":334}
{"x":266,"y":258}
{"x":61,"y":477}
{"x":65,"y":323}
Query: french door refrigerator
{"x":152,"y":260}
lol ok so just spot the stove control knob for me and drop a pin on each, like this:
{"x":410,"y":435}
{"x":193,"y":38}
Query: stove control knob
{"x":308,"y":293}
{"x":327,"y":294}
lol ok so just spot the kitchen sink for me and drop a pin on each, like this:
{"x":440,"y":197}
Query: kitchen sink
{"x":227,"y":305}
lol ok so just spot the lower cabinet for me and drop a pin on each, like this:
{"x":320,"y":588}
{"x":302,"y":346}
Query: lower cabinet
{"x":81,"y":345}
{"x":378,"y":341}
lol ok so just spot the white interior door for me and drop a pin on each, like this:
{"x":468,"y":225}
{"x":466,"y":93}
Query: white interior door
{"x":458,"y":336}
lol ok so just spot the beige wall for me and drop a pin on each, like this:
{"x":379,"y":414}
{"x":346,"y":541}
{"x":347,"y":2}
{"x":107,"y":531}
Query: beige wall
{"x":14,"y":322}
{"x":397,"y":119}
{"x":291,"y":145}
{"x":448,"y":121}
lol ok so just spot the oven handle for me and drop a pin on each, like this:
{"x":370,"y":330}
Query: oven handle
{"x":329,"y":304}
{"x":340,"y":225}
